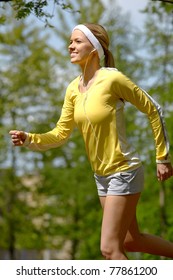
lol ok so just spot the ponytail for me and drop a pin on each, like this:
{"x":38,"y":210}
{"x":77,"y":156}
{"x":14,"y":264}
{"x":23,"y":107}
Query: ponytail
{"x":102,"y":36}
{"x":109,"y":60}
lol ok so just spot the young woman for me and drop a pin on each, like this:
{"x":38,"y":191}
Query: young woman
{"x":94,"y":103}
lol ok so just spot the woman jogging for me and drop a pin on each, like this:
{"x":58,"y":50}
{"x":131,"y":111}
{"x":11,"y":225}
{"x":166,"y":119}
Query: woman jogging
{"x":94,"y":102}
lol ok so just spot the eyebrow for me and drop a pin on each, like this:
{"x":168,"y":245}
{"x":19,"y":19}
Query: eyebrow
{"x":78,"y":37}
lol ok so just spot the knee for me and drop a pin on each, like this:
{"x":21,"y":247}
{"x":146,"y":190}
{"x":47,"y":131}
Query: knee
{"x":129,"y":246}
{"x":133,"y":244}
{"x":106,"y":252}
{"x":111,"y":252}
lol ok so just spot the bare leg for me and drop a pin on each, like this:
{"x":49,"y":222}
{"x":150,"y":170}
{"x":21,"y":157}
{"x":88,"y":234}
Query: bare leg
{"x":118,"y":214}
{"x":120,"y":230}
{"x":146,"y":243}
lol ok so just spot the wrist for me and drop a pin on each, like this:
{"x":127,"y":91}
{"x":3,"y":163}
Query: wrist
{"x":163,"y":161}
{"x":26,"y":142}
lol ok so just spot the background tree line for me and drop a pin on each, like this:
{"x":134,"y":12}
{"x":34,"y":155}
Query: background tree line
{"x":48,"y":202}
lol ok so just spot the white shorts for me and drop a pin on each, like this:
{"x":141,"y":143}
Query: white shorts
{"x":121,"y":183}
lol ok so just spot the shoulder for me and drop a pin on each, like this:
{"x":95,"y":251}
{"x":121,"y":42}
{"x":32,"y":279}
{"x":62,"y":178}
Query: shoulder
{"x":112,"y":73}
{"x":73,"y":83}
{"x":114,"y":76}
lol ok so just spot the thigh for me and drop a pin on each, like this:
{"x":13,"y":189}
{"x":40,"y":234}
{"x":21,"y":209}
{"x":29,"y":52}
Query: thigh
{"x":118,"y":214}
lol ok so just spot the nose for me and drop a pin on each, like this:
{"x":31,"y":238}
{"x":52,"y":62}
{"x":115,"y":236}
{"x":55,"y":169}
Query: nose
{"x":71,"y":46}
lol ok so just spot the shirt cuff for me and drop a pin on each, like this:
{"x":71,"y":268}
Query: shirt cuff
{"x":163,"y":161}
{"x":27,"y":140}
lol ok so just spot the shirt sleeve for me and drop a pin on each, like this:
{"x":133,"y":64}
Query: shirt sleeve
{"x":130,"y":92}
{"x":57,"y":136}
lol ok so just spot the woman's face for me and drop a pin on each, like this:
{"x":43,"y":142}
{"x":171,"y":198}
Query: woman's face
{"x":80,"y":47}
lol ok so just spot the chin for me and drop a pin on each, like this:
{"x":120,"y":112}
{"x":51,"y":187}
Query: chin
{"x":74,"y":61}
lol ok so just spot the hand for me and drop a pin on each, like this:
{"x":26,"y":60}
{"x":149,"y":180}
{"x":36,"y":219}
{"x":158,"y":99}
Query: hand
{"x":164,"y":171}
{"x":18,"y":137}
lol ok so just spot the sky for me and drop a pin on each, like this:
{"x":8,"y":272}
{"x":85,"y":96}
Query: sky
{"x":134,"y":7}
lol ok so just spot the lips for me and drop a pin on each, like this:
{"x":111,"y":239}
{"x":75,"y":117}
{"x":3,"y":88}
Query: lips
{"x":73,"y":54}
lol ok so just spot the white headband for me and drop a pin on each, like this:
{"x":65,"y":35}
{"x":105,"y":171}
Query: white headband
{"x":94,"y":41}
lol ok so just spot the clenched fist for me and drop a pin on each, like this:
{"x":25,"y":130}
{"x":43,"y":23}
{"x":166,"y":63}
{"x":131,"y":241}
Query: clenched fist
{"x":18,"y":137}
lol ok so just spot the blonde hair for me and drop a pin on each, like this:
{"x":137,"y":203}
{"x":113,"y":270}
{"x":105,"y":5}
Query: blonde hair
{"x":102,"y":36}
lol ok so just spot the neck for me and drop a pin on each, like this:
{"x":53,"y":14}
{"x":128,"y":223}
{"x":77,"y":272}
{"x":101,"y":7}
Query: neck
{"x":87,"y":81}
{"x":89,"y":71}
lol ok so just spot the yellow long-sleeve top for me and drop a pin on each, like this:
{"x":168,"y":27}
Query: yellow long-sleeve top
{"x":98,"y":113}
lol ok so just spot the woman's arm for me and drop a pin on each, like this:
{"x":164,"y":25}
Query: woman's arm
{"x":51,"y":139}
{"x":146,"y":104}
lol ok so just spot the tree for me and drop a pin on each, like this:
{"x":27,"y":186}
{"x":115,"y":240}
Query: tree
{"x":31,"y":95}
{"x":159,"y":50}
{"x":28,"y":80}
{"x":162,"y":5}
{"x":56,"y":186}
{"x":43,"y":10}
{"x":164,"y":2}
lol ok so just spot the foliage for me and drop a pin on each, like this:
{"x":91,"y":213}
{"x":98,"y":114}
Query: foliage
{"x":159,"y":6}
{"x":27,"y":79}
{"x":43,"y":10}
{"x":48,"y":201}
{"x":156,"y":199}
{"x":32,"y":96}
